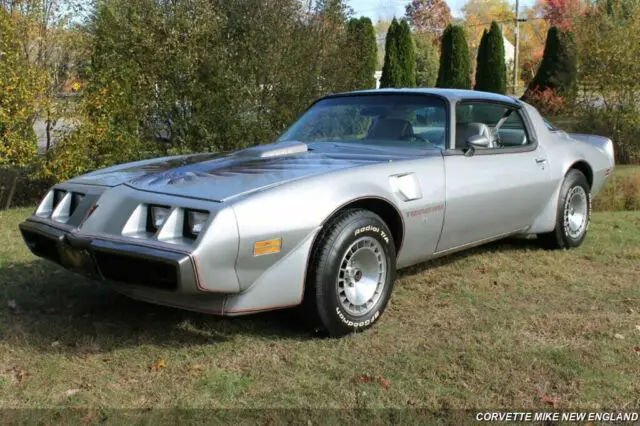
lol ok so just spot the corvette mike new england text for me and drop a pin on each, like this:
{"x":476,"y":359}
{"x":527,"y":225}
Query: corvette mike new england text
{"x":555,"y":416}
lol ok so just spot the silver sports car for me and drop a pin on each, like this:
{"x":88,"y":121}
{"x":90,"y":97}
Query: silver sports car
{"x":362,"y":184}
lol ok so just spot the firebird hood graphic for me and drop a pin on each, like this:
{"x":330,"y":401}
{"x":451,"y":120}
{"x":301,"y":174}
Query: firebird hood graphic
{"x":218,"y":177}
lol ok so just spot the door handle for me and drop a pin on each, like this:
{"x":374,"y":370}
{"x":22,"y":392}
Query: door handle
{"x":541,"y":160}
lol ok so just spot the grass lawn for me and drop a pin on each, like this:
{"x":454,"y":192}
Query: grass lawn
{"x":626,"y":170}
{"x":502,"y":326}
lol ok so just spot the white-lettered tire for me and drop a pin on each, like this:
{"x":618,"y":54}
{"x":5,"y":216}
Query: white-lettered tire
{"x":573,"y":214}
{"x":351,"y":273}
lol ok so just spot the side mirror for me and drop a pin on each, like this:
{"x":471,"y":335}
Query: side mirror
{"x":478,"y":141}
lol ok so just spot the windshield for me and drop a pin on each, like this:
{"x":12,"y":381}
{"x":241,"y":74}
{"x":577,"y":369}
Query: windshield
{"x":416,"y":121}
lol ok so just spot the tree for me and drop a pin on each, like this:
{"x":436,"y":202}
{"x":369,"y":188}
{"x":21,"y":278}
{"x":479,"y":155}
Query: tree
{"x":407,"y":50}
{"x":19,"y":86}
{"x":479,"y":13}
{"x":427,"y":60}
{"x":428,"y":16}
{"x":363,"y":56}
{"x":481,"y":62}
{"x":491,"y":74}
{"x":455,"y":63}
{"x":608,"y":52}
{"x":558,"y":68}
{"x":532,"y":39}
{"x":399,"y":68}
{"x":392,"y":69}
{"x":563,"y":13}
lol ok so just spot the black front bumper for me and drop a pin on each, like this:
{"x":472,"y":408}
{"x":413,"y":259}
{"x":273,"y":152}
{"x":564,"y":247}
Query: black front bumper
{"x":102,"y":259}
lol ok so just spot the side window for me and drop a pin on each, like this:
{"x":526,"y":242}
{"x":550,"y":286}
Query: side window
{"x":502,"y":125}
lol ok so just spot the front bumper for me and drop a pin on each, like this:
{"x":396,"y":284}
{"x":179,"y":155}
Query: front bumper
{"x":126,"y":263}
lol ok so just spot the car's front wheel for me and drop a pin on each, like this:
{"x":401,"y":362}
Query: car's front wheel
{"x":351,"y":273}
{"x":573,"y":214}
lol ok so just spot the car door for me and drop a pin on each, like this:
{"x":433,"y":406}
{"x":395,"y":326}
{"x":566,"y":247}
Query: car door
{"x":496,"y":190}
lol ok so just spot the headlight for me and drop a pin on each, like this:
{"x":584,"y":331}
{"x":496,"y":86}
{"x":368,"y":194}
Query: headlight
{"x":157,"y":217}
{"x":76,"y":198}
{"x":58,"y":195}
{"x":194,"y":222}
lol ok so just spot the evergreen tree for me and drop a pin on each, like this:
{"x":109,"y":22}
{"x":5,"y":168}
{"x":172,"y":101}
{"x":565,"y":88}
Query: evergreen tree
{"x":407,"y":55}
{"x":557,"y":70}
{"x":491,"y":71}
{"x":481,"y":61}
{"x":392,"y":69}
{"x":455,"y":63}
{"x":362,"y":46}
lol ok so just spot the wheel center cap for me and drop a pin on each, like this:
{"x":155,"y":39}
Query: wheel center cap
{"x":358,"y":275}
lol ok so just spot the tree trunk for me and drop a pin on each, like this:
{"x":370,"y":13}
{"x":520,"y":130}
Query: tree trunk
{"x":48,"y":129}
{"x":12,"y":189}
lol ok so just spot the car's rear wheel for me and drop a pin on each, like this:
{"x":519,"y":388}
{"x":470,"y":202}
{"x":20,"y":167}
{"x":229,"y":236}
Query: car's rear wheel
{"x":573,"y":214}
{"x":351,"y":273}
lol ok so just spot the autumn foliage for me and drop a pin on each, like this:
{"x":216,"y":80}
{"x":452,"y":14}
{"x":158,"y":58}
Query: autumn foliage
{"x":428,"y":16}
{"x":563,"y":13}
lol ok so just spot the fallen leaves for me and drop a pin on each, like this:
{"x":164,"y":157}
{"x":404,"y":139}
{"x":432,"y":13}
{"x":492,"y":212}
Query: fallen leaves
{"x":638,"y":327}
{"x":636,"y":349}
{"x":158,"y":365}
{"x":19,"y":373}
{"x":71,"y":392}
{"x":366,"y":378}
{"x":551,"y":400}
{"x":619,"y":336}
{"x":385,"y":383}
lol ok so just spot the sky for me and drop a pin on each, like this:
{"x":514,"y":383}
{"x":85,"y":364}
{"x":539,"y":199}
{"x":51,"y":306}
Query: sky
{"x":377,"y":9}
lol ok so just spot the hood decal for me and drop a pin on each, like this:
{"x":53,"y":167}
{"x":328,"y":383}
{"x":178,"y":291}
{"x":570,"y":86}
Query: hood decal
{"x":217,"y":177}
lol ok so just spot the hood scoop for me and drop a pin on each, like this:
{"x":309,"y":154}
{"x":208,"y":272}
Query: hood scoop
{"x":273,"y":150}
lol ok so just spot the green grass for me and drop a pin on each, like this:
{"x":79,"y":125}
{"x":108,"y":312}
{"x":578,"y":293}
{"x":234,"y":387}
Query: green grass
{"x":496,"y":327}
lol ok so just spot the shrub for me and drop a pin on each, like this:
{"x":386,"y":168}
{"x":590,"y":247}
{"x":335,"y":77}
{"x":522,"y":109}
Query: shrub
{"x":557,"y":70}
{"x":399,"y":69}
{"x":363,"y":51}
{"x":455,"y":62}
{"x":547,"y":101}
{"x":427,"y":60}
{"x":491,"y":74}
{"x":620,"y":193}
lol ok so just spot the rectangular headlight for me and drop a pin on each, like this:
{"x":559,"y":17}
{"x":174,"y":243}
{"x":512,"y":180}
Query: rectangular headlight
{"x":157,"y":217}
{"x":76,"y":198}
{"x":194,"y":221}
{"x":58,"y":195}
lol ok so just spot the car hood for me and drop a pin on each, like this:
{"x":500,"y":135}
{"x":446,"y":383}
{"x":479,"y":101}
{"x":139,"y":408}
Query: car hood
{"x":219,"y":177}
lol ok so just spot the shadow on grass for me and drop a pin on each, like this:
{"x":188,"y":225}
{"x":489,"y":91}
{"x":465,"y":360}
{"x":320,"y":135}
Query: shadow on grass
{"x":44,"y":306}
{"x":505,"y":245}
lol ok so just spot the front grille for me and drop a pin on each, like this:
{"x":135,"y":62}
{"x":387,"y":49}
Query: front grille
{"x":42,"y":246}
{"x":137,"y":271}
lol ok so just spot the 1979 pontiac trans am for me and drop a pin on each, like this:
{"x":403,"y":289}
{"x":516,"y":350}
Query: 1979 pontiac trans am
{"x":362,"y":184}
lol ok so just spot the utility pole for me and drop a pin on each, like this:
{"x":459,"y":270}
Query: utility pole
{"x":516,"y":46}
